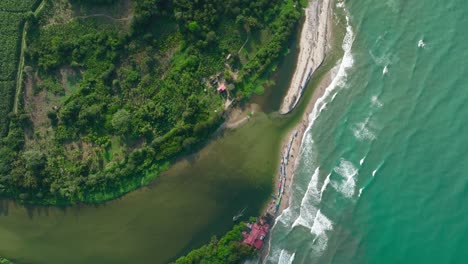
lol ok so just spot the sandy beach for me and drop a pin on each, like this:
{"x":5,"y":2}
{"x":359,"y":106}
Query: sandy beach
{"x":315,"y":43}
{"x":301,"y":128}
{"x":313,"y":46}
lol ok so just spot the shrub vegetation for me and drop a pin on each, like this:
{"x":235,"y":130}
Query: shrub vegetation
{"x":123,"y":101}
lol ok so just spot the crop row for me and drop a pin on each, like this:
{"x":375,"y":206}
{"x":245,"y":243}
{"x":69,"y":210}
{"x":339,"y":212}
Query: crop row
{"x":17,"y":5}
{"x":10,"y":25}
{"x":7,"y":90}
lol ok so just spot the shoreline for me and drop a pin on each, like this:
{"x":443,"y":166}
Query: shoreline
{"x":294,"y":138}
{"x":293,"y":141}
{"x":291,"y":144}
{"x":314,"y":45}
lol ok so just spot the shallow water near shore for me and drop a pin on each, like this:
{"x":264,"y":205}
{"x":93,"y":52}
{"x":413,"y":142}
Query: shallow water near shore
{"x":382,"y":177}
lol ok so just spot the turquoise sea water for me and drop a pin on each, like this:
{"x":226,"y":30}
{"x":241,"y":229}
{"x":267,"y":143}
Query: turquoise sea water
{"x":383,"y":174}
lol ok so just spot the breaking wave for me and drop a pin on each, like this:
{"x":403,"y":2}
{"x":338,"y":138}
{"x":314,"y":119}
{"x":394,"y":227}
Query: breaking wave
{"x":308,"y":213}
{"x":362,"y":131}
{"x":347,"y":185}
{"x":285,"y":257}
{"x":375,"y":101}
{"x":308,"y":203}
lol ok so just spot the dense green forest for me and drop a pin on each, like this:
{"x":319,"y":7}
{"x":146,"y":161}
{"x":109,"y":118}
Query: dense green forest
{"x":227,"y":250}
{"x":10,"y":30}
{"x":114,"y":90}
{"x":18,"y":6}
{"x":5,"y":261}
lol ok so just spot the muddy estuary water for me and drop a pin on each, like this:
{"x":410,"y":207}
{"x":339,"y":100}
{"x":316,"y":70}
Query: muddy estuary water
{"x":179,"y":211}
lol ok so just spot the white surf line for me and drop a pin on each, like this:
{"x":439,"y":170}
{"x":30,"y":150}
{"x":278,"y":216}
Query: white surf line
{"x":321,"y":225}
{"x":385,"y":70}
{"x":421,"y":44}
{"x":347,"y":171}
{"x":339,"y":79}
{"x":285,"y":257}
{"x":324,"y":186}
{"x":307,"y":209}
{"x":377,"y":169}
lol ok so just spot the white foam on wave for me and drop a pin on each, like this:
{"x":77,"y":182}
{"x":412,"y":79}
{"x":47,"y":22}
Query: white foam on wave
{"x":348,"y":171}
{"x":383,"y":60}
{"x":321,"y":225}
{"x":339,"y":80}
{"x":376,"y":102}
{"x":333,"y":97}
{"x":360,"y":191}
{"x":308,"y":203}
{"x":362,"y":132}
{"x":324,"y":186}
{"x":376,"y":170}
{"x":285,"y":257}
{"x":285,"y":217}
{"x":385,"y":70}
{"x":421,"y":44}
{"x":362,"y":161}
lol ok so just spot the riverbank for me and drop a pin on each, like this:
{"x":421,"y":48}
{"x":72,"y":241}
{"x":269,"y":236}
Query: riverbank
{"x":208,"y":187}
{"x":314,"y":45}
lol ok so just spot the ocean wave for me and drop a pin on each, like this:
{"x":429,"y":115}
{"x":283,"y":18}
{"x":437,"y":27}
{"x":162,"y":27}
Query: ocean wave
{"x":340,"y":78}
{"x":324,"y":186}
{"x":308,"y":203}
{"x":285,"y":217}
{"x":321,"y":225}
{"x":375,"y":101}
{"x":285,"y":257}
{"x":385,"y":70}
{"x":362,"y":131}
{"x":347,"y":185}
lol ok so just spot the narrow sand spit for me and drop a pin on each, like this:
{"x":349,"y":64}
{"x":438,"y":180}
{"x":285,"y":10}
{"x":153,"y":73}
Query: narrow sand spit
{"x":295,"y":152}
{"x":296,"y":143}
{"x":314,"y":45}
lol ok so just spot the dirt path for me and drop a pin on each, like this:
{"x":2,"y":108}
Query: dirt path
{"x":19,"y":75}
{"x":106,"y":16}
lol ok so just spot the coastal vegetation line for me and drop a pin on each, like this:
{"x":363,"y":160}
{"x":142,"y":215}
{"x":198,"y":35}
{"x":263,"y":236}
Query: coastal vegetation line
{"x":240,"y":176}
{"x":295,"y":125}
{"x":108,"y":105}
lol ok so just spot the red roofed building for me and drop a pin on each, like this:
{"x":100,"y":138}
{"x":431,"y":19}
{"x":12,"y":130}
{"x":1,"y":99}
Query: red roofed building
{"x":257,"y":234}
{"x":221,"y":87}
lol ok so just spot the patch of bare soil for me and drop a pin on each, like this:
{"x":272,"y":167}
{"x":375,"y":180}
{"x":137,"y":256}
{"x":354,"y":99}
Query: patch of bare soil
{"x":36,"y":106}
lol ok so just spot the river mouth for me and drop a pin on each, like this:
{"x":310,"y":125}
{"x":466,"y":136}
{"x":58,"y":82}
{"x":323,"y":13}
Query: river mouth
{"x":195,"y":199}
